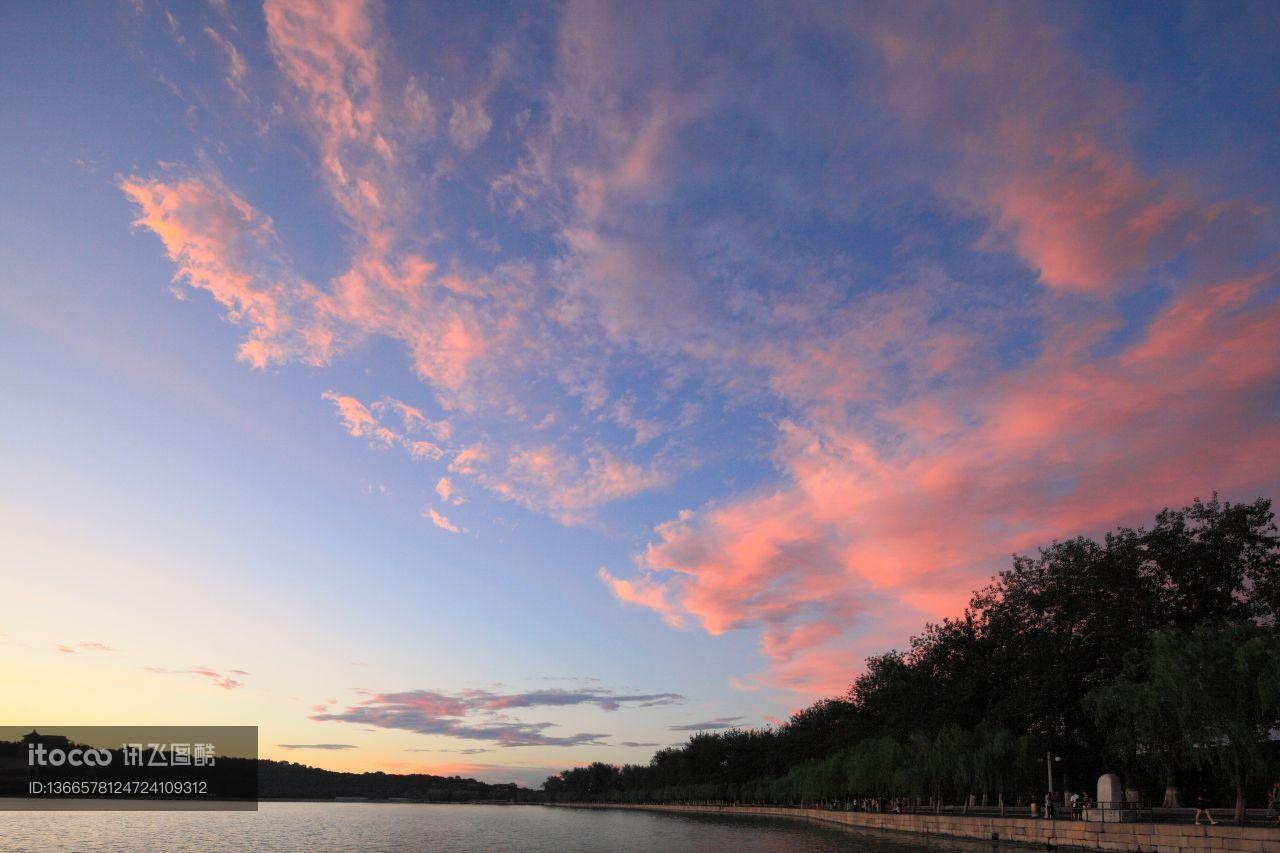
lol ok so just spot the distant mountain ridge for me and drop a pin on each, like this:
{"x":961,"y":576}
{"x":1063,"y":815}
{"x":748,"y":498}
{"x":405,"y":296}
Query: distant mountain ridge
{"x":285,"y":780}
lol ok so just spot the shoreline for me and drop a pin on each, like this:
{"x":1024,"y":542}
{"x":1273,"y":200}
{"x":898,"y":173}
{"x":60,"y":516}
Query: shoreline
{"x":1084,"y":835}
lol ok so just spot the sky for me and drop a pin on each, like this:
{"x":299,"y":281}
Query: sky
{"x":493,"y":388}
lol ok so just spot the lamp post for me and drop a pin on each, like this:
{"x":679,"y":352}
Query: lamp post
{"x":1049,"y":759}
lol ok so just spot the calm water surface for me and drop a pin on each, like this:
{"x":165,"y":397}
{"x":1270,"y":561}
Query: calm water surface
{"x":369,"y":826}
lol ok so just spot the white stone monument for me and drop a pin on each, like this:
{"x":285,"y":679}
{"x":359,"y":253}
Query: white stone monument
{"x":1109,"y":802}
{"x":1110,"y":790}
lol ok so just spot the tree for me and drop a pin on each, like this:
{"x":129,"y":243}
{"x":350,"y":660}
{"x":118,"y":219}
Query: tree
{"x":1223,"y":685}
{"x":1143,"y":728}
{"x":1215,"y":560}
{"x":994,"y":758}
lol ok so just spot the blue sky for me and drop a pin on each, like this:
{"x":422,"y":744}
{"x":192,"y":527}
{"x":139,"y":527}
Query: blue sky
{"x":375,"y":369}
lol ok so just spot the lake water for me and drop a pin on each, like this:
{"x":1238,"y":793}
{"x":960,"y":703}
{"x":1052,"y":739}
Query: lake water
{"x":395,"y":827}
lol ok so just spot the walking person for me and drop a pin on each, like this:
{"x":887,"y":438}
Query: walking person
{"x":1048,"y":806}
{"x":1273,"y":803}
{"x":1202,"y":808}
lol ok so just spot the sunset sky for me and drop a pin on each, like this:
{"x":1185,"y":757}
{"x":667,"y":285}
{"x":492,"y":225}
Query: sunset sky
{"x":493,"y":388}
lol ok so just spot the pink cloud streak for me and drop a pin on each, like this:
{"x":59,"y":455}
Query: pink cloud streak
{"x":220,"y":244}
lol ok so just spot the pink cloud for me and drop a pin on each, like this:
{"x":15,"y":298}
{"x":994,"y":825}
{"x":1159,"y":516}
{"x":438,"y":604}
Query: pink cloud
{"x":411,"y":419}
{"x":467,"y":459}
{"x":424,"y":450}
{"x":1085,"y":218}
{"x":331,"y":55}
{"x":448,"y":492}
{"x":370,"y":422}
{"x":469,"y":123}
{"x":326,"y":50}
{"x":644,"y":592}
{"x":440,"y":521}
{"x":220,"y":244}
{"x":359,"y":421}
{"x":83,"y":647}
{"x":237,"y":68}
{"x":570,"y":487}
{"x":444,"y":353}
{"x":1031,"y":139}
{"x":224,"y":681}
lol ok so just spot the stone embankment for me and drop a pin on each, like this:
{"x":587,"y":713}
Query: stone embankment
{"x":1129,"y":837}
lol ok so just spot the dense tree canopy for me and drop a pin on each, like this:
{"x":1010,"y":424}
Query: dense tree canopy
{"x":1152,"y":653}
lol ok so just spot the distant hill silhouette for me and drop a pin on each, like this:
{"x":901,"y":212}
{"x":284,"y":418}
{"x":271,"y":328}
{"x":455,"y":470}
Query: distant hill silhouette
{"x":287,"y":780}
{"x":277,"y":779}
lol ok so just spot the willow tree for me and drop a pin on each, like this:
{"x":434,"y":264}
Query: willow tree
{"x":1142,"y":727}
{"x":1221,"y":684}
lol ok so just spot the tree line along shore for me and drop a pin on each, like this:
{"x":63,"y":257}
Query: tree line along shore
{"x":1153,"y":653}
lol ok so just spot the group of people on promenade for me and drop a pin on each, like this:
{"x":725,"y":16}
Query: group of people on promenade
{"x":1053,"y":801}
{"x":889,"y":805}
{"x":1203,"y":814}
{"x":1080,"y":802}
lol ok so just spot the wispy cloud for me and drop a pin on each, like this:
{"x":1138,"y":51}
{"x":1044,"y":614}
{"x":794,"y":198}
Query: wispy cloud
{"x":708,"y":725}
{"x":440,"y":521}
{"x":448,"y":492}
{"x":237,"y":68}
{"x":218,"y":679}
{"x":319,"y":746}
{"x":359,"y":421}
{"x":479,"y":714}
{"x":472,"y":751}
{"x":222,"y":245}
{"x":83,"y":647}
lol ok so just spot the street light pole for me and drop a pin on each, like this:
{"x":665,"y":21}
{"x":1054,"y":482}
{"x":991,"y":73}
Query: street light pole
{"x":1049,"y":760}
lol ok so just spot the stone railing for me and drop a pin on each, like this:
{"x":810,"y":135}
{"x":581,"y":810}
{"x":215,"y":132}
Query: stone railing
{"x":1129,"y":837}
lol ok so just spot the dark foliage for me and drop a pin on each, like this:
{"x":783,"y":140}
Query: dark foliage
{"x":290,"y":781}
